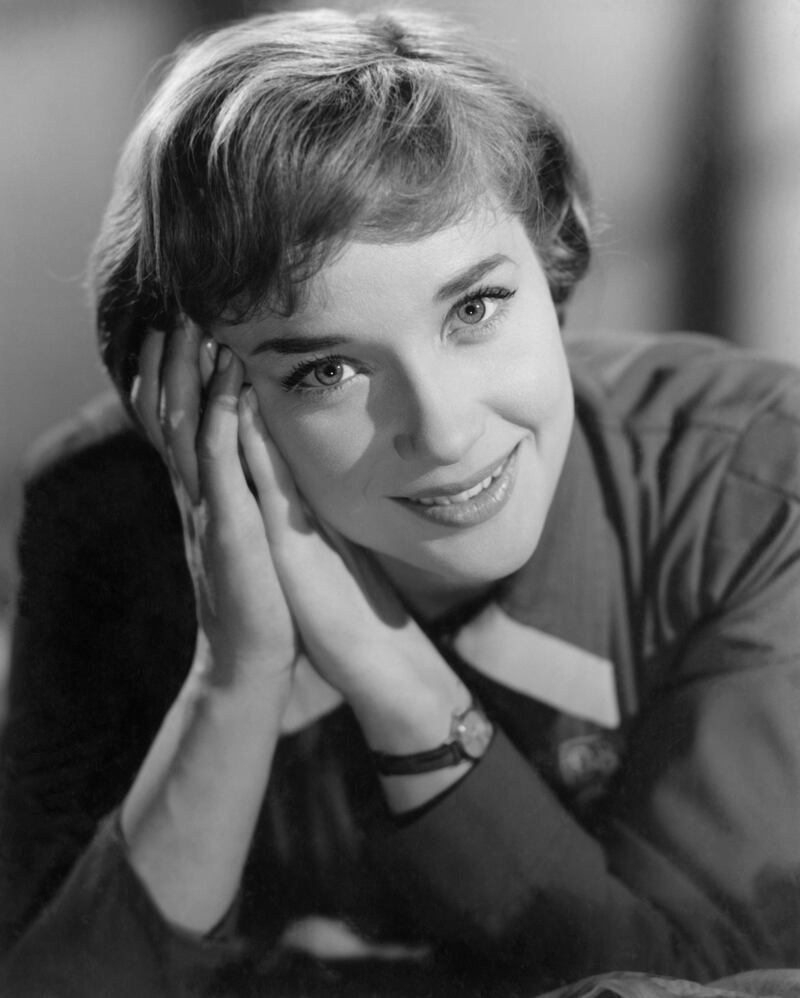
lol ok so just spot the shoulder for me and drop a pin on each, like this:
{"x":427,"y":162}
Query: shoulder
{"x":667,"y":394}
{"x":99,"y":514}
{"x":93,"y":470}
{"x":697,"y":447}
{"x":98,"y":442}
{"x":105,"y":606}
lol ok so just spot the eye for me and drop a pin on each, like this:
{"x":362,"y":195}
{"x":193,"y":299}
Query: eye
{"x":320,"y":374}
{"x":478,"y":307}
{"x":328,"y":372}
{"x":472,"y":312}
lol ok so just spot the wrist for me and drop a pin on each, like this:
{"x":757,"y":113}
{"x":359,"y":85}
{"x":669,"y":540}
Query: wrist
{"x":406,"y":717}
{"x":470,"y":735}
{"x":224,"y":672}
{"x":408,"y":793}
{"x":254,"y":696}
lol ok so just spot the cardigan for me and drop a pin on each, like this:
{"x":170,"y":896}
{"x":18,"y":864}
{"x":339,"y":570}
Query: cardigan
{"x":638,"y":809}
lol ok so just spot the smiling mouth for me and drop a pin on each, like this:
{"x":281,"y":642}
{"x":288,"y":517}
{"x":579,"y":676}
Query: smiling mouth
{"x":467,"y":494}
{"x":471,"y":506}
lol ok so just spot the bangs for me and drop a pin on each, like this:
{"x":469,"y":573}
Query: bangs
{"x":272,"y":142}
{"x":258,"y":200}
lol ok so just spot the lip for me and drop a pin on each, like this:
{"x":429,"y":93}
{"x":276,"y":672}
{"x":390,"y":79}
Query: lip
{"x":475,"y":510}
{"x":455,"y":487}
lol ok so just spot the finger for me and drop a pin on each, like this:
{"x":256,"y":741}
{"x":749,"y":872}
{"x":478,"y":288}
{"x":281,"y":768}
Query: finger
{"x":208,"y":360}
{"x":220,"y":470}
{"x":145,"y":393}
{"x":146,"y":396}
{"x":278,"y":498}
{"x":180,"y":415}
{"x":305,"y":550}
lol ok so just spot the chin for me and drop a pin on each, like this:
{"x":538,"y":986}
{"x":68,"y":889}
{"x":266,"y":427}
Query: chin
{"x":483,"y":561}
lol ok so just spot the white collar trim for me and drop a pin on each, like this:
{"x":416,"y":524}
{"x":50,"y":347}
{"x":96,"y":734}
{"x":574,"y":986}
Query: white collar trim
{"x":541,"y":666}
{"x":513,"y":654}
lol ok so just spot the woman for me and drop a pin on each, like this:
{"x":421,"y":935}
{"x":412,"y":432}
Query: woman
{"x":497,"y":658}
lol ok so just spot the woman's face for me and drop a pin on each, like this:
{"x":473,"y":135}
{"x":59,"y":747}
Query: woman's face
{"x":422,"y":400}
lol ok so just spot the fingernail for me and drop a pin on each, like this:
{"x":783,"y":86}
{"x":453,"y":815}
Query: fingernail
{"x":249,"y":398}
{"x":224,"y":358}
{"x":210,"y":346}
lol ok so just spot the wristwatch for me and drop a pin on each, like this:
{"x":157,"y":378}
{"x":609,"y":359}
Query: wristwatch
{"x":470,"y":736}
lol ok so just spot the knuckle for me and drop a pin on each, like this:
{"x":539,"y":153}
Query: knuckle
{"x":217,"y":432}
{"x":177,"y":422}
{"x":212,"y":447}
{"x":166,"y":432}
{"x":227,"y":402}
{"x":209,"y":448}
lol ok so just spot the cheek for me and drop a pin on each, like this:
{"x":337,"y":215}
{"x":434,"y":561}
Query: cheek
{"x":325,"y":457}
{"x":535,"y":379}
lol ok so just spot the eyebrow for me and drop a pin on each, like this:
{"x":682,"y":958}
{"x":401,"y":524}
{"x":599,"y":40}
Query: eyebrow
{"x":463,"y":282}
{"x":298,"y":344}
{"x":459,"y":284}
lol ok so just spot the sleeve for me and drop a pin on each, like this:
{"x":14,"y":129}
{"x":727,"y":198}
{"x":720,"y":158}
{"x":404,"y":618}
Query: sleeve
{"x":694,"y":869}
{"x":101,"y":935}
{"x":102,"y":639}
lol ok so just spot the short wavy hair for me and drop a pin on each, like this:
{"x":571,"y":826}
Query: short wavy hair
{"x":273,"y":140}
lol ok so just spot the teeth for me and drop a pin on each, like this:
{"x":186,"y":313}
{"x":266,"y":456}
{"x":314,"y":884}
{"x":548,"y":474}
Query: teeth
{"x":466,"y":494}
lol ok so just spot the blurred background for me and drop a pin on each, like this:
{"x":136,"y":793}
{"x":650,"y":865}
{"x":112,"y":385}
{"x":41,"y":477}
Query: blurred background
{"x":685,"y":112}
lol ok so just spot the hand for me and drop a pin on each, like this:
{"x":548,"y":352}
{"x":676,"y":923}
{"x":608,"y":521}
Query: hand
{"x":352,"y":624}
{"x":241,"y":607}
{"x":189,"y":817}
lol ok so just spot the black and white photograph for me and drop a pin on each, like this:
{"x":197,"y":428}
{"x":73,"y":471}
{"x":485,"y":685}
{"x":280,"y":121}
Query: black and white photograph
{"x":400,"y":499}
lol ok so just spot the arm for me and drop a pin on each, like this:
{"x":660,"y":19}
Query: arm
{"x":190,"y":815}
{"x":85,"y":701}
{"x":137,"y":905}
{"x":356,"y":632}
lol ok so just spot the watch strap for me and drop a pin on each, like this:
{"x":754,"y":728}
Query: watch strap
{"x":450,"y":753}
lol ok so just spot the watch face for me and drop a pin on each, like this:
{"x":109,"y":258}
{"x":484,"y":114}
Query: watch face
{"x":474,"y":733}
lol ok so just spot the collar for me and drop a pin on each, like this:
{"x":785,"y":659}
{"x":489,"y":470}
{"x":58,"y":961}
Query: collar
{"x":562,"y":588}
{"x":545,"y":632}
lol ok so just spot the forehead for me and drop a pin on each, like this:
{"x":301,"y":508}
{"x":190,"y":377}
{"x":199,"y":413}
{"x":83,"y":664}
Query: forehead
{"x":366,"y":270}
{"x":369,"y":281}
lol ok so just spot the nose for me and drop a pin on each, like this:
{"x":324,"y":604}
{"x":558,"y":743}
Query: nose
{"x":440,"y":419}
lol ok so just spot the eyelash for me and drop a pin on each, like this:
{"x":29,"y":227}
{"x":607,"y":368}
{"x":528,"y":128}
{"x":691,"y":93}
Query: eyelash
{"x":494,"y":293}
{"x":292,"y":381}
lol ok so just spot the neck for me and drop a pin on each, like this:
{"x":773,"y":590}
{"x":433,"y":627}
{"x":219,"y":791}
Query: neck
{"x":427,"y":595}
